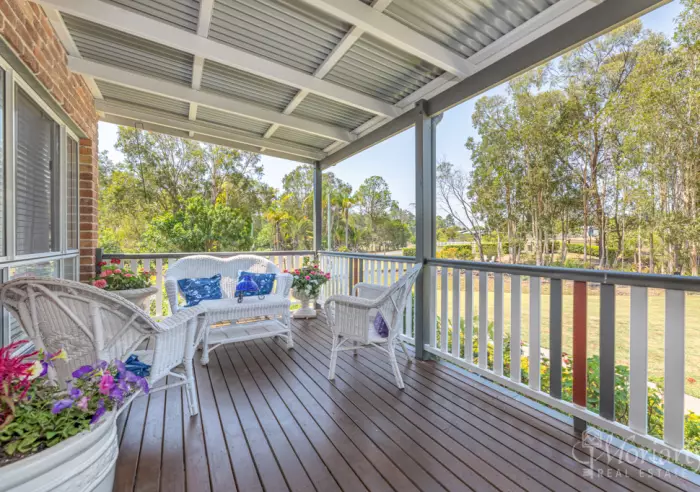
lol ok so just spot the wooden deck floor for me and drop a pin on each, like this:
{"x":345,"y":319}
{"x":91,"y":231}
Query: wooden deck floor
{"x":270,"y":420}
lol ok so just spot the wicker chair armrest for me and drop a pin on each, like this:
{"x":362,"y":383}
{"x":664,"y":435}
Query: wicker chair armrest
{"x":171,"y":291}
{"x":352,"y":301}
{"x":366,"y":290}
{"x":181,"y":317}
{"x":284,"y":284}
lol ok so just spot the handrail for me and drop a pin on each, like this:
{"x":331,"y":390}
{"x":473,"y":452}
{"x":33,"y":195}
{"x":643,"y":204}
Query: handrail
{"x":368,"y":256}
{"x":607,"y":277}
{"x":155,"y":256}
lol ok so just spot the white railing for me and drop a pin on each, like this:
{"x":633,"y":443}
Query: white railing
{"x":500,"y":315}
{"x":158,"y":264}
{"x":347,"y":269}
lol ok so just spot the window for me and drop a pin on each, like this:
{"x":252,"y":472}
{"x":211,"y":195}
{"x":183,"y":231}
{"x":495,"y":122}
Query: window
{"x":2,"y":163}
{"x":72,"y":194}
{"x":45,"y":269}
{"x":37,"y":168}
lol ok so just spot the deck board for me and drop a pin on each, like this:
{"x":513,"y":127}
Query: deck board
{"x":270,"y":420}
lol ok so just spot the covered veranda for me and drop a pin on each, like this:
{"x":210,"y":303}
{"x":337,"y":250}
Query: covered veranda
{"x":318,"y":81}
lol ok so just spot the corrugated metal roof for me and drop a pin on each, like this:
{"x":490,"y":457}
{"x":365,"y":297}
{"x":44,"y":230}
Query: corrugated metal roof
{"x":232,"y":120}
{"x":236,"y":83}
{"x":286,"y":31}
{"x":138,"y":98}
{"x":465,"y":26}
{"x":299,"y":137}
{"x":112,"y":47}
{"x":382,"y":71}
{"x":180,"y":13}
{"x":318,"y":108}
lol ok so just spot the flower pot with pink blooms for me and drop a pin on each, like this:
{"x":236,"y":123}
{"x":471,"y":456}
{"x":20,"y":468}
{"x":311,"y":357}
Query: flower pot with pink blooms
{"x":306,"y":287}
{"x":132,"y":286}
{"x":59,"y":439}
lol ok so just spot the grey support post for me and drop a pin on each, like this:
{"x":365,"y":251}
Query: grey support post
{"x":425,"y":127}
{"x":318,"y":213}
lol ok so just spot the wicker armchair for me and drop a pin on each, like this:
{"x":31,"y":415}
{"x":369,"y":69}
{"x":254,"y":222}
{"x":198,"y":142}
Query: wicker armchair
{"x":351,"y":319}
{"x":266,"y":317}
{"x":93,"y":324}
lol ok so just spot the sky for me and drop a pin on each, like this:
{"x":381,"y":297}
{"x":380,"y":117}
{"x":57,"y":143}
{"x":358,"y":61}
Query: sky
{"x":393,"y":159}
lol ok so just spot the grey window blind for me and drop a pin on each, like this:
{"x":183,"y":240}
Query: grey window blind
{"x":72,"y":208}
{"x":36,"y":178}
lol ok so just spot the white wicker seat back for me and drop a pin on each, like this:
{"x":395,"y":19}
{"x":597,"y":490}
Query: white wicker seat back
{"x":350,"y":320}
{"x":201,"y":266}
{"x":89,"y":323}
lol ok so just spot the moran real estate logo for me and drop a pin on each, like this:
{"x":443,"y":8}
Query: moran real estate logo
{"x":606,"y":456}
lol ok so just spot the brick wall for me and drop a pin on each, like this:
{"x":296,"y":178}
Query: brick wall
{"x":28,"y":31}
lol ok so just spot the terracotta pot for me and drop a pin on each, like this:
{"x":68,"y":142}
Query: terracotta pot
{"x":85,"y":462}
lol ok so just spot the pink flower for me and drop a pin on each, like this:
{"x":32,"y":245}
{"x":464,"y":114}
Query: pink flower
{"x":106,"y":383}
{"x":315,"y":266}
{"x":117,"y":271}
{"x":313,"y":273}
{"x":105,"y":273}
{"x":128,"y":275}
{"x":328,"y":275}
{"x":296,"y":271}
{"x":83,"y":404}
{"x":100,"y":284}
{"x":307,"y":277}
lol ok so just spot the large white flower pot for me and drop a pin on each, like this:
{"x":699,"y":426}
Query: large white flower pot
{"x":140,"y":297}
{"x":307,"y":309}
{"x":83,"y":463}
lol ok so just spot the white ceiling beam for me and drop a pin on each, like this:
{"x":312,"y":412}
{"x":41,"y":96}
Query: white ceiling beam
{"x":184,"y":93}
{"x":69,"y":45}
{"x":396,"y":34}
{"x":206,"y":9}
{"x":141,"y":125}
{"x":110,"y":15}
{"x":549,"y":19}
{"x":214,"y":130}
{"x":333,"y":58}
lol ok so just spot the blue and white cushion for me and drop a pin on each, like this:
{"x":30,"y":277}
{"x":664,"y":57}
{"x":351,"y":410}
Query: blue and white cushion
{"x":196,"y":290}
{"x":265,"y":283}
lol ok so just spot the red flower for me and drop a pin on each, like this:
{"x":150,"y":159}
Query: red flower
{"x":100,"y":284}
{"x":286,"y":271}
{"x":691,"y":380}
{"x":115,"y":261}
{"x":103,"y":263}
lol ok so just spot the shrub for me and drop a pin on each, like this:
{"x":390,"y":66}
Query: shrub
{"x":463,"y":252}
{"x":409,"y":251}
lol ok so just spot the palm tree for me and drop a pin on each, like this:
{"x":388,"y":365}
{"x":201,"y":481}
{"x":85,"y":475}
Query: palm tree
{"x":346,"y":203}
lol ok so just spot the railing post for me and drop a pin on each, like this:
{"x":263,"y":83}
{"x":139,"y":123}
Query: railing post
{"x":318,"y":213}
{"x":425,"y":128}
{"x":98,"y":260}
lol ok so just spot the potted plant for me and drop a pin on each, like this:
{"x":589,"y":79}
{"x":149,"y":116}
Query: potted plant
{"x":306,"y":287}
{"x":132,"y":286}
{"x":54,"y":438}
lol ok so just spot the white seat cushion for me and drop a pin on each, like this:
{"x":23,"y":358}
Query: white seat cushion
{"x":231,"y":303}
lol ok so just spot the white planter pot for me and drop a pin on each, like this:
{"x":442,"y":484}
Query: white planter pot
{"x":307,"y":309}
{"x":83,"y":463}
{"x":140,"y":297}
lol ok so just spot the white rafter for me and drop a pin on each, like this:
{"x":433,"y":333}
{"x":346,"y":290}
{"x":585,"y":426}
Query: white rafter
{"x":124,"y":20}
{"x":69,"y":45}
{"x":393,"y":32}
{"x":206,"y":9}
{"x":167,"y":130}
{"x":212,"y":129}
{"x":333,"y":58}
{"x":183,"y":93}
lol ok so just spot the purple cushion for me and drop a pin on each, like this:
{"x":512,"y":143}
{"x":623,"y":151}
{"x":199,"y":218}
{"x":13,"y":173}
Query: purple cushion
{"x":380,"y":326}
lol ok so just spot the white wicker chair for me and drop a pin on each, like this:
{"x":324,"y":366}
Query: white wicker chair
{"x":93,"y":324}
{"x":351,"y":319}
{"x":264,"y":318}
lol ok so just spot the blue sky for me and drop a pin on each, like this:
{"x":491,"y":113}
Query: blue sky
{"x":394,"y":158}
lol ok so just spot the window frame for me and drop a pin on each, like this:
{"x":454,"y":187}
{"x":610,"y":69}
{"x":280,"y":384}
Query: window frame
{"x":12,"y":82}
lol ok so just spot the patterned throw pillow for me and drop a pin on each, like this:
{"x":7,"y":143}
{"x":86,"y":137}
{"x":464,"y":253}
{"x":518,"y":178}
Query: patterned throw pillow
{"x":197,"y":290}
{"x":265,"y":283}
{"x":380,"y":326}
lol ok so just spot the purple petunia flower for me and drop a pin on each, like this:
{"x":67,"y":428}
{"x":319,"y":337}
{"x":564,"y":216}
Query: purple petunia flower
{"x":82,"y":371}
{"x":102,"y":364}
{"x":61,"y":405}
{"x":117,"y":394}
{"x":75,"y":393}
{"x":121,"y":367}
{"x":99,"y":412}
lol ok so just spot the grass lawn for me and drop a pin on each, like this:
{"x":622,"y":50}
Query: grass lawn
{"x":622,"y":316}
